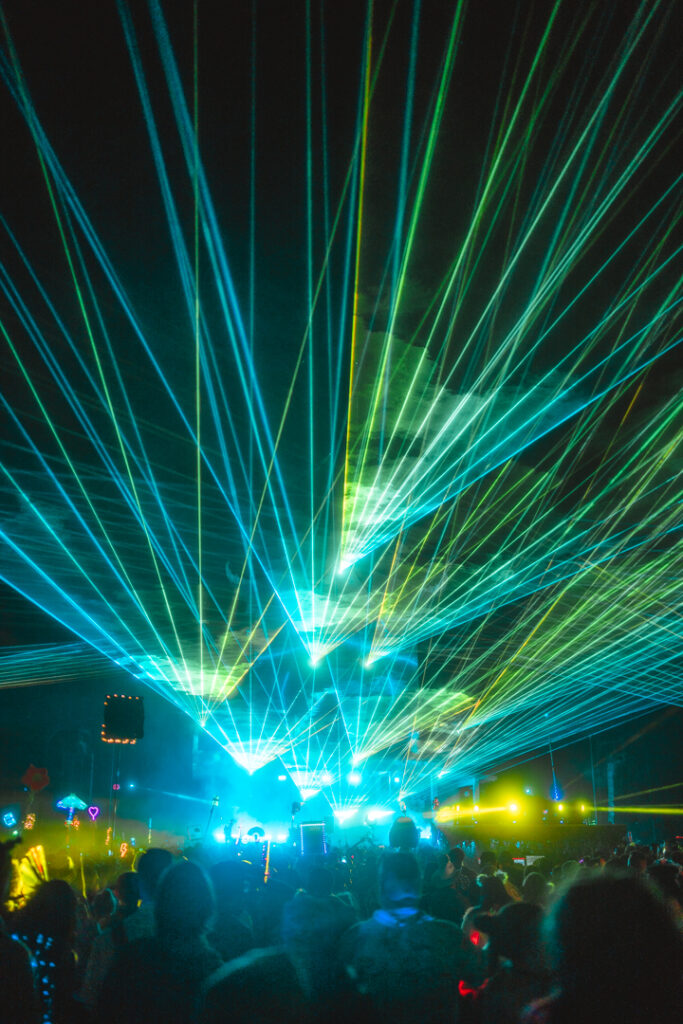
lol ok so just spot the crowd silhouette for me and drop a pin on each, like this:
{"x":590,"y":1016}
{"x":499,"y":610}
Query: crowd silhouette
{"x":411,"y":936}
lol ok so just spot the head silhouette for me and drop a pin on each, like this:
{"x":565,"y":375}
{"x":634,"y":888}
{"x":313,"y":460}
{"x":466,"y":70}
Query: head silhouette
{"x":150,"y":867}
{"x":184,"y":901}
{"x":399,"y":880}
{"x":617,"y":953}
{"x":50,"y":911}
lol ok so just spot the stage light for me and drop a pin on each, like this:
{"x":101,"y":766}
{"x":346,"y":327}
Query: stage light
{"x":426,"y":832}
{"x":513,"y":808}
{"x":397,"y":778}
{"x":344,"y":814}
{"x":528,"y":790}
{"x":476,"y":808}
{"x":282,"y":778}
{"x":316,"y":653}
{"x":355,"y":778}
{"x":219,"y":835}
{"x":326,"y":779}
{"x":416,"y":436}
{"x":379,"y":814}
{"x":308,"y":792}
{"x":560,"y":807}
{"x":282,"y":837}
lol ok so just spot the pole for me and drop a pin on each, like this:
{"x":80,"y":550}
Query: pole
{"x":595,"y":799}
{"x":116,"y":785}
{"x":83,"y":889}
{"x":214,"y":804}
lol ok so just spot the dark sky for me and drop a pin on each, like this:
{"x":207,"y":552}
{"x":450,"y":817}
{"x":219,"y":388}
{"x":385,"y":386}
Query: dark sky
{"x":251,"y":75}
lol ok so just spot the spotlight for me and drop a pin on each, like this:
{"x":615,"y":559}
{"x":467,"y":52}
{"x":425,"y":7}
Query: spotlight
{"x":347,"y":560}
{"x":513,"y":808}
{"x":344,"y":814}
{"x":317,"y":652}
{"x":308,"y":792}
{"x":355,"y":778}
{"x":378,"y":814}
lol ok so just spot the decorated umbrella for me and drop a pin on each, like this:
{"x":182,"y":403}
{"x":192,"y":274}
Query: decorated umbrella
{"x":70,"y":804}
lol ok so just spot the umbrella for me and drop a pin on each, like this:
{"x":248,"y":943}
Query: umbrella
{"x":70,"y":804}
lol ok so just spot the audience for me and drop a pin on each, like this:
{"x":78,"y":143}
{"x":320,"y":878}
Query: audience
{"x":535,"y":889}
{"x":137,"y":925}
{"x":617,"y":956}
{"x":18,"y":995}
{"x":47,"y":926}
{"x":159,"y":978}
{"x":299,"y":980}
{"x":517,"y":970}
{"x":410,"y":937}
{"x":404,"y":964}
{"x":232,"y":932}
